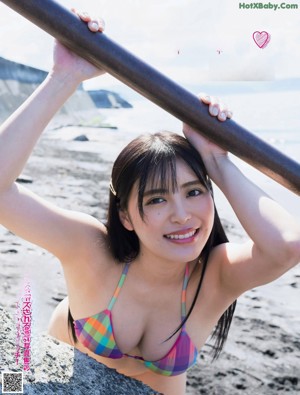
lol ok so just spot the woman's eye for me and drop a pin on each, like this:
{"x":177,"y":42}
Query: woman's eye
{"x":195,"y":192}
{"x":156,"y":200}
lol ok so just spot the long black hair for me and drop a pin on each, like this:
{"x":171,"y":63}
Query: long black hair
{"x":151,"y":158}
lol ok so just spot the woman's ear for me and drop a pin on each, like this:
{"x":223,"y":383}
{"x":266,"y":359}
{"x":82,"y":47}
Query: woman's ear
{"x":125,"y":220}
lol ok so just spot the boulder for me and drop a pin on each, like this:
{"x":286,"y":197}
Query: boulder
{"x":18,"y":81}
{"x":81,"y":137}
{"x":57,"y":368}
{"x":107,"y":99}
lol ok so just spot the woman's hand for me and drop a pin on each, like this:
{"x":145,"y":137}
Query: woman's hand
{"x":206,"y":148}
{"x":67,"y":64}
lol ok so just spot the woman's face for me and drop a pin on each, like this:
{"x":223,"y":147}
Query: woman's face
{"x":176,"y":225}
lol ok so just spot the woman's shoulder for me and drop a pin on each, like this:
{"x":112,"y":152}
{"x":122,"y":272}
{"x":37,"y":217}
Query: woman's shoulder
{"x":93,"y":262}
{"x":91,"y":241}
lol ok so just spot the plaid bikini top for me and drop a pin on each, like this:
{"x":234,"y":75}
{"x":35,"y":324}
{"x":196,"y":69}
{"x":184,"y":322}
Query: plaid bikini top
{"x":96,"y":333}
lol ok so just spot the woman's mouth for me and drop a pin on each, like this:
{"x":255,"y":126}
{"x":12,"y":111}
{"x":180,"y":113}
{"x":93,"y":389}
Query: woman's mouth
{"x":188,"y":236}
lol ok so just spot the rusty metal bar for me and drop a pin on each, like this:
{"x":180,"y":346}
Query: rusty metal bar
{"x":103,"y":52}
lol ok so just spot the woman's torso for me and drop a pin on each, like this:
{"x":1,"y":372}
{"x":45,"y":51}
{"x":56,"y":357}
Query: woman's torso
{"x":148,"y":315}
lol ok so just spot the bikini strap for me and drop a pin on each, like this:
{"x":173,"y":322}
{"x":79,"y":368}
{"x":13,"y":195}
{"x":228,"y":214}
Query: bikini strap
{"x":183,"y":294}
{"x":119,"y":286}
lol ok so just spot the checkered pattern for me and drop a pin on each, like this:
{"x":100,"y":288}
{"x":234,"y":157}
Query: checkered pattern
{"x":183,"y":354}
{"x":96,"y":333}
{"x":181,"y":357}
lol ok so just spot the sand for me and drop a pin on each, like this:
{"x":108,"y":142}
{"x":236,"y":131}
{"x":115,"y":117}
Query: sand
{"x":262,"y":354}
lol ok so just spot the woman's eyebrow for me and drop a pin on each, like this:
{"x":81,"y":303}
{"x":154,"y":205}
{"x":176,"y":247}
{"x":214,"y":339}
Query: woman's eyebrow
{"x":157,"y":191}
{"x":164,"y":191}
{"x":191,"y":183}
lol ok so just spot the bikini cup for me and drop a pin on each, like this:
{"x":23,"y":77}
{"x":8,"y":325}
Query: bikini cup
{"x":96,"y":333}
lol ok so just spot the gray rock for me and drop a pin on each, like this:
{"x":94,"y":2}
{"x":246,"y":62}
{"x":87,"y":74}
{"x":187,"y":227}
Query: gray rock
{"x":57,"y":368}
{"x":81,"y":137}
{"x":108,"y":99}
{"x":24,"y":179}
{"x":19,"y":72}
{"x":18,"y":81}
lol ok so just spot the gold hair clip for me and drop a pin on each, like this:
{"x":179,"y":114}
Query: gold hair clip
{"x":112,"y":189}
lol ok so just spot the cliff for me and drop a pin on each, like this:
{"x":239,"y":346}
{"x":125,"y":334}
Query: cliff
{"x":18,"y":81}
{"x":107,"y":99}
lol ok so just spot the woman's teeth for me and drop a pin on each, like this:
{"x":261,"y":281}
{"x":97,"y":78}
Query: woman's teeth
{"x":180,"y":237}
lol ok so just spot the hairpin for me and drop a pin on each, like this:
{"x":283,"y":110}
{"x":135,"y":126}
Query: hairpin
{"x":112,"y":189}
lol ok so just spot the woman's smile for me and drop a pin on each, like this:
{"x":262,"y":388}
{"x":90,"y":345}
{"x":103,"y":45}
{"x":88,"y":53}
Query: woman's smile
{"x":184,"y":236}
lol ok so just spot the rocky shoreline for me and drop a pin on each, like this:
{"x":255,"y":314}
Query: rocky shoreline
{"x":18,"y":81}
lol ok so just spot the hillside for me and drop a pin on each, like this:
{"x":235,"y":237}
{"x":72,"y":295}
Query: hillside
{"x":18,"y":81}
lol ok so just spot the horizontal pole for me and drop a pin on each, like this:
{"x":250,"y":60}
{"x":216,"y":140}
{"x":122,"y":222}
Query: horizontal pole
{"x":104,"y":53}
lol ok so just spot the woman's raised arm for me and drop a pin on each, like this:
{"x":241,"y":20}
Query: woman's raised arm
{"x":22,"y":129}
{"x":20,"y":210}
{"x":274,"y":245}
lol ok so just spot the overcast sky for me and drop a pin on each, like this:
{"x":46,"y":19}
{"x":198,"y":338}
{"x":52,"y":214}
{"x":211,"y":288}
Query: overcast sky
{"x":191,"y":41}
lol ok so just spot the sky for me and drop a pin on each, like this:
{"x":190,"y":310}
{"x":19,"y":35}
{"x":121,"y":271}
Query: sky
{"x":191,"y":41}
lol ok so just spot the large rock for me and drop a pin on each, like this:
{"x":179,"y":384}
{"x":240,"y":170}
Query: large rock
{"x":18,"y":81}
{"x":107,"y":99}
{"x":57,"y":368}
{"x":19,"y":72}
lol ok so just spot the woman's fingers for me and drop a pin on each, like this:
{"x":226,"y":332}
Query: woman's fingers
{"x":215,"y":108}
{"x":222,"y":114}
{"x":84,"y":16}
{"x":94,"y":24}
{"x":229,"y":114}
{"x":204,"y":98}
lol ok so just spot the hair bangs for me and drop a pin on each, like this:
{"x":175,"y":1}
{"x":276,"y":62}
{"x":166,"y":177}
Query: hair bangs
{"x":158,"y":172}
{"x":199,"y":171}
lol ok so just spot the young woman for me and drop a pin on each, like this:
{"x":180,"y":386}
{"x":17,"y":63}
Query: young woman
{"x":146,"y":289}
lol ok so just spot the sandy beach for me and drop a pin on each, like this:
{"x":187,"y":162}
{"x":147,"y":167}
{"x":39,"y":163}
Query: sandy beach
{"x":262,"y":354}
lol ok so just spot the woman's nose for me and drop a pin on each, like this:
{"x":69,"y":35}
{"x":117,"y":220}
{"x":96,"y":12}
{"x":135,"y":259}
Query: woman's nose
{"x":180,"y":212}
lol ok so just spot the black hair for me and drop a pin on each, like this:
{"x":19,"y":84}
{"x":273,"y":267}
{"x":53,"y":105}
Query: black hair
{"x":151,"y":158}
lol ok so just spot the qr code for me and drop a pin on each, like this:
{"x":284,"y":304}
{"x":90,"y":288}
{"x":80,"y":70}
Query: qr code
{"x":12,"y":382}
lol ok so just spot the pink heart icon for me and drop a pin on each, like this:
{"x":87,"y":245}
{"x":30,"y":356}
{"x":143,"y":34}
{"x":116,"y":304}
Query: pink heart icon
{"x":261,"y":39}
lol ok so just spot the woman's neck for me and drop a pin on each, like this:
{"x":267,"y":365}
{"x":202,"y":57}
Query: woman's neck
{"x":160,"y":272}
